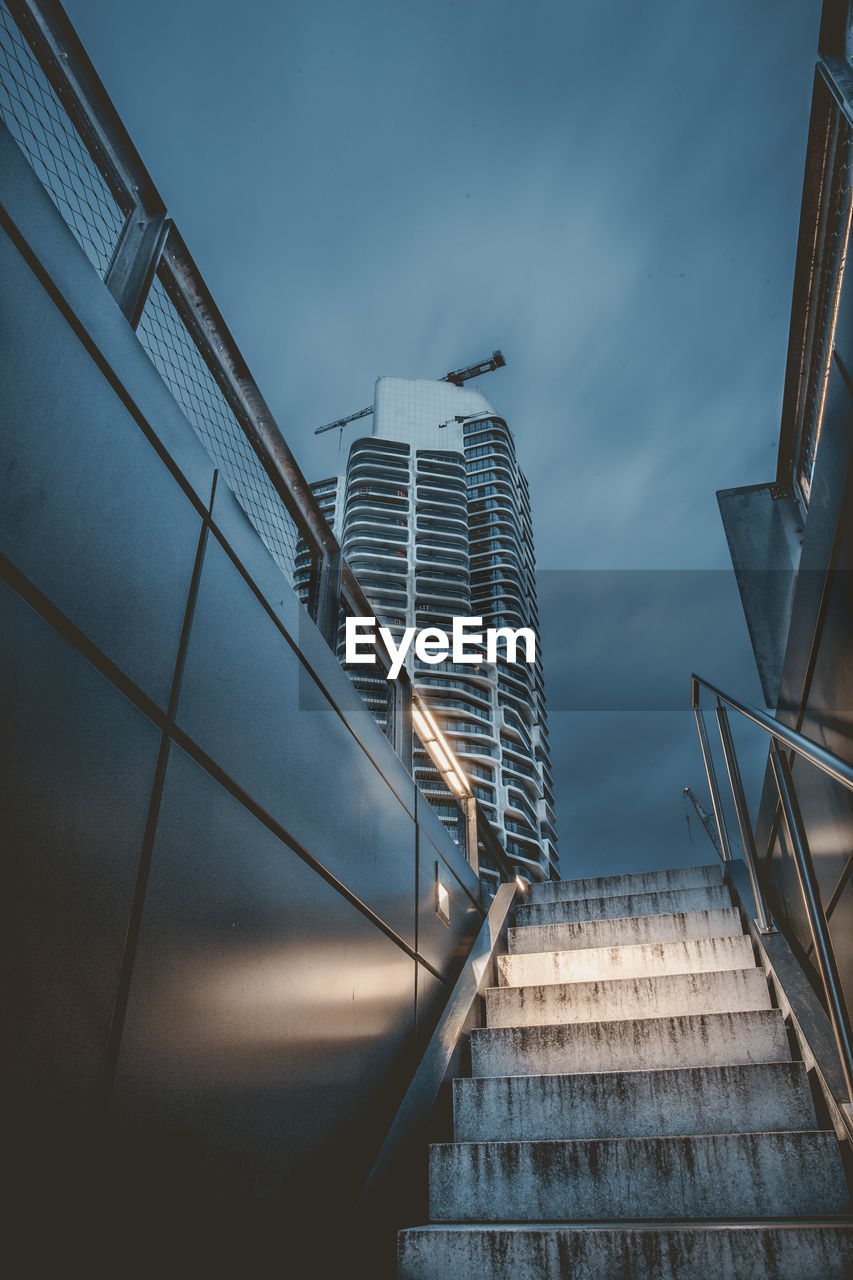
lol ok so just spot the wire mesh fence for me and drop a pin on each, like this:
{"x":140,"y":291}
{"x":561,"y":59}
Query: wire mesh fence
{"x":43,"y":130}
{"x":180,"y":363}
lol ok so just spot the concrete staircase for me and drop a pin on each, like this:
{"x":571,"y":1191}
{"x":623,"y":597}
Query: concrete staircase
{"x":633,"y":1111}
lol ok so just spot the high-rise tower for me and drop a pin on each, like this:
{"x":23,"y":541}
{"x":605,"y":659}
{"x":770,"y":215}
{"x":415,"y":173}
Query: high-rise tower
{"x":433,"y":516}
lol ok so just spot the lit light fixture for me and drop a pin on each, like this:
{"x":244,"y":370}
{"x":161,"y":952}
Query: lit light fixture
{"x":456,"y":783}
{"x":439,"y":749}
{"x":522,"y":884}
{"x":442,"y":899}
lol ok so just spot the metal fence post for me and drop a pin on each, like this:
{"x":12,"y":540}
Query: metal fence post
{"x":400,"y":717}
{"x":472,"y":834}
{"x":135,"y":260}
{"x":326,"y":595}
{"x":818,"y":924}
{"x":711,"y":775}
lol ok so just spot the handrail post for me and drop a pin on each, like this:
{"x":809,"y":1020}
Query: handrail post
{"x":711,"y":775}
{"x":818,"y":924}
{"x":468,"y":805}
{"x":400,"y":717}
{"x":327,"y":594}
{"x":736,"y":783}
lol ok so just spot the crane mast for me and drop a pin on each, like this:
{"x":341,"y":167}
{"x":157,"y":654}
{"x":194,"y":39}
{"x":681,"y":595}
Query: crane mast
{"x":456,"y":376}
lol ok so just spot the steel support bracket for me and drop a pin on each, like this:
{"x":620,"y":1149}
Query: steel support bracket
{"x":135,"y":261}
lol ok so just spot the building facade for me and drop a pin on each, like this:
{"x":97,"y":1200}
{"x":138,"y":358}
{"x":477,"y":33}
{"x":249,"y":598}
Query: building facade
{"x":433,"y":516}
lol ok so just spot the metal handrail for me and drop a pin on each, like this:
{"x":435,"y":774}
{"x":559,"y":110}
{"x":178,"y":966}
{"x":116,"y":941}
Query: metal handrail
{"x":824,"y":760}
{"x":829,"y":764}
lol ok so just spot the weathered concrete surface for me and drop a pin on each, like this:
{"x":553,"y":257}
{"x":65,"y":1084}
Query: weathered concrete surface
{"x":762,"y":1098}
{"x":628,"y":931}
{"x":598,"y":964}
{"x":668,"y":1252}
{"x":638,"y":882}
{"x":702,"y":898}
{"x":727,"y":991}
{"x":633,"y":1098}
{"x":743,"y":1175}
{"x":698,"y":1040}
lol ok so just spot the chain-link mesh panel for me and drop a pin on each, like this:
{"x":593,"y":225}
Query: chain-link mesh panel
{"x":40,"y":125}
{"x":179,"y":361}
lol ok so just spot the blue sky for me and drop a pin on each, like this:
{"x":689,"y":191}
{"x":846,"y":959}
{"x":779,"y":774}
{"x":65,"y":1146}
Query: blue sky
{"x":607,"y":191}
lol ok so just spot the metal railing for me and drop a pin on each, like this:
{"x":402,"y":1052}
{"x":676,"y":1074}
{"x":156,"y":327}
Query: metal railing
{"x":785,"y":743}
{"x":59,"y":113}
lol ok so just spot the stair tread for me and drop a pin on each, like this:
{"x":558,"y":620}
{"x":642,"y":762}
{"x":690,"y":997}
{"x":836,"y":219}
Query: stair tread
{"x":677,"y":926}
{"x":751,"y":1097}
{"x":760,"y":1248}
{"x":654,"y":902}
{"x":688,"y":955}
{"x":646,"y":1043}
{"x":610,"y":886}
{"x":640,"y":996}
{"x":694,"y":1175}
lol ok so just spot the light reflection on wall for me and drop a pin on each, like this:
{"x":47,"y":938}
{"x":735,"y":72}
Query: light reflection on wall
{"x":286,"y":1004}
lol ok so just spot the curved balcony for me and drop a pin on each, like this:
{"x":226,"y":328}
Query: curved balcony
{"x":427,"y":550}
{"x":518,"y":800}
{"x":442,"y":592}
{"x":369,"y":555}
{"x":471,"y":700}
{"x":455,"y":527}
{"x":366,"y":470}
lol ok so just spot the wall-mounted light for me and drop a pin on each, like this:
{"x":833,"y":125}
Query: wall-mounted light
{"x":442,"y":899}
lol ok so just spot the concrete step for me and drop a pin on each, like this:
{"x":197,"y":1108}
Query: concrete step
{"x":734,"y":1251}
{"x":761,"y":1098}
{"x":628,"y":931}
{"x":661,"y":996}
{"x":701,"y":898}
{"x":636,"y":882}
{"x":694,"y":1040}
{"x":707,"y":1176}
{"x":598,"y":964}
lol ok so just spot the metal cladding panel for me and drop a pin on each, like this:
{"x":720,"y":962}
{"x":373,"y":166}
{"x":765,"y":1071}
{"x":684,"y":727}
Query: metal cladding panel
{"x":78,"y":769}
{"x":80,"y":292}
{"x":248,"y":702}
{"x":763,"y":536}
{"x":818,"y":679}
{"x":256,"y":560}
{"x":90,"y":513}
{"x":444,"y":946}
{"x":267,"y":1023}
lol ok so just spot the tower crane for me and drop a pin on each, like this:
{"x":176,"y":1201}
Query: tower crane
{"x":456,"y":376}
{"x":705,"y":818}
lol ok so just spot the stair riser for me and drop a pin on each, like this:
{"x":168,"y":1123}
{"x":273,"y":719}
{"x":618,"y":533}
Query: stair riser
{"x":734,"y":990}
{"x":770,"y":1097}
{"x":618,"y":886}
{"x":599,"y":964}
{"x":706,"y":898}
{"x":667,"y":1253}
{"x":722,"y":1176}
{"x":626,"y":932}
{"x":631,"y":1045}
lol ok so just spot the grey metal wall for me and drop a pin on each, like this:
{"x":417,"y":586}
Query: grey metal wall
{"x":221,"y":944}
{"x":816,"y":693}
